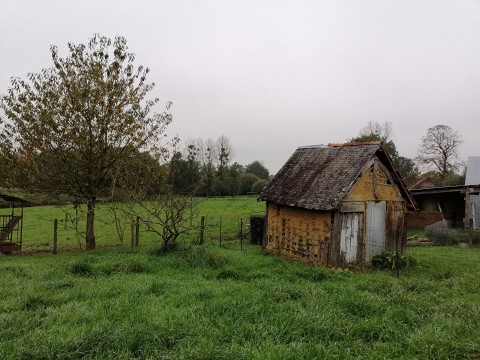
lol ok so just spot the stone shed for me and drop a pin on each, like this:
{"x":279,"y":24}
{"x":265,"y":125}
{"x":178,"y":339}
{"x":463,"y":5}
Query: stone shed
{"x":336,"y":204}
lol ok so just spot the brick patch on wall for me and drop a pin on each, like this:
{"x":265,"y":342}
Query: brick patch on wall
{"x":420,"y":219}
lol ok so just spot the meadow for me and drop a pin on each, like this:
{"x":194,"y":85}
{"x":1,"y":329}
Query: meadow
{"x":38,"y":226}
{"x":212,"y":302}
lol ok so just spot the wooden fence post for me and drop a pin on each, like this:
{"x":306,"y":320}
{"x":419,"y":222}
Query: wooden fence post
{"x":55,"y":235}
{"x":220,"y":233}
{"x":202,"y":230}
{"x":470,"y":231}
{"x":241,"y":228}
{"x":132,"y":234}
{"x":191,"y":212}
{"x":241,"y":233}
{"x":137,"y":231}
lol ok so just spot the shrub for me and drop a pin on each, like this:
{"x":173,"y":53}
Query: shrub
{"x":246,"y":182}
{"x":440,"y":234}
{"x":391,"y":261}
{"x":258,"y":186}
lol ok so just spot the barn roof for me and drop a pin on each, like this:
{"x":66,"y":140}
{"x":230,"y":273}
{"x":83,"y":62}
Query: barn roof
{"x":318,"y":177}
{"x":7,"y":197}
{"x":423,"y":183}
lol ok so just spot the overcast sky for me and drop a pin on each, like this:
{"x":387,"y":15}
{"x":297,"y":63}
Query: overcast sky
{"x":275,"y":75}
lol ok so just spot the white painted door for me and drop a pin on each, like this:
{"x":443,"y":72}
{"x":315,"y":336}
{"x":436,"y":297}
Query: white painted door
{"x":375,"y":231}
{"x":349,"y":236}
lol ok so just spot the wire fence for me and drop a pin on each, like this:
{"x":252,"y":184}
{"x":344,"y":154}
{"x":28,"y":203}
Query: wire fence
{"x":68,"y":232}
{"x":44,"y":234}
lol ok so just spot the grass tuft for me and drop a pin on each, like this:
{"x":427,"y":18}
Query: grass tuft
{"x":229,"y":274}
{"x":287,"y":294}
{"x":32,"y":302}
{"x":157,"y":288}
{"x":443,"y":275}
{"x":81,"y":267}
{"x":199,"y":256}
{"x":18,"y":271}
{"x":313,"y":274}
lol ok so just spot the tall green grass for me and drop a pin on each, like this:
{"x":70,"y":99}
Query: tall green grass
{"x":211,"y":302}
{"x":222,"y":303}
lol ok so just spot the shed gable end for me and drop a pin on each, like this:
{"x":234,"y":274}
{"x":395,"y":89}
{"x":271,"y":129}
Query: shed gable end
{"x":374,"y":184}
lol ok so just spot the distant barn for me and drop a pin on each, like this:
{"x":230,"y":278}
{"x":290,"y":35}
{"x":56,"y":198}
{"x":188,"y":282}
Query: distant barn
{"x":336,"y":204}
{"x":459,"y":205}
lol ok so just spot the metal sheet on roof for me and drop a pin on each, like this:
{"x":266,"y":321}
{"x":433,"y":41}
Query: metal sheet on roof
{"x":473,"y":171}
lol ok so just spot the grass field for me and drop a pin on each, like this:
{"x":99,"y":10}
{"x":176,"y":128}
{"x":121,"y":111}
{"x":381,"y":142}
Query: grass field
{"x":223,"y":303}
{"x":38,"y":224}
{"x":211,"y":302}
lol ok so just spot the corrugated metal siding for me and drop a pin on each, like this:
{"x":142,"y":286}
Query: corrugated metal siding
{"x":472,"y":177}
{"x":375,"y":229}
{"x":475,"y":200}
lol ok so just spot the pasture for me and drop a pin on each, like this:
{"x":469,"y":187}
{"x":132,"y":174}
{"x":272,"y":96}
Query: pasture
{"x":38,"y":224}
{"x":212,"y":302}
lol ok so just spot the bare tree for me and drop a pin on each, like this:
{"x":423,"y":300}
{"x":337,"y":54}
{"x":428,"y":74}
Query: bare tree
{"x":117,"y":218}
{"x":439,"y":148}
{"x":223,"y":150}
{"x":375,"y":131}
{"x":384,"y":132}
{"x":168,"y":215}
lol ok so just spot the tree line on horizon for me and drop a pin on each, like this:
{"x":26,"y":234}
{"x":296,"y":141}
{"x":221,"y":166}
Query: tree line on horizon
{"x":203,"y":168}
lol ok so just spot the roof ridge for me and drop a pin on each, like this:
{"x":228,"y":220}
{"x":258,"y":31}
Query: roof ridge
{"x":319,"y":146}
{"x":354,"y":143}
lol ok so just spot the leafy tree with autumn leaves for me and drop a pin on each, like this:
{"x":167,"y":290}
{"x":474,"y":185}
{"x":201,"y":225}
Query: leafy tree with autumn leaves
{"x":79,"y":128}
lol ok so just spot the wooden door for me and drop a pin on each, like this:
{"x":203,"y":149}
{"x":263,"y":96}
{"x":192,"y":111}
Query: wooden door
{"x":350,"y":236}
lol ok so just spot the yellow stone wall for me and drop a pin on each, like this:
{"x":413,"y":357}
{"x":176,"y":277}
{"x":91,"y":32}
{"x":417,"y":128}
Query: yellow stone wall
{"x":374,"y":185}
{"x":298,"y":233}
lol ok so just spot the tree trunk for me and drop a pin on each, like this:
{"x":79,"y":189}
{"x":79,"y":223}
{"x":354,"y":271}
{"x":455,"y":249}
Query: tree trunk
{"x":90,"y":231}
